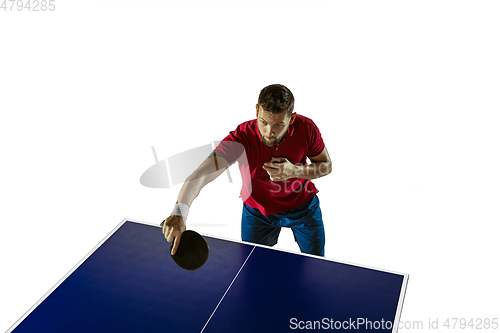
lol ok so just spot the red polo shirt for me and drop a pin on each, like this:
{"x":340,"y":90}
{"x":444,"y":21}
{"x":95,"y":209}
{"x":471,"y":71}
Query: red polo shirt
{"x":303,"y":139}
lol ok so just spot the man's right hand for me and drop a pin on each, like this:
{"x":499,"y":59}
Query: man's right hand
{"x":173,"y":228}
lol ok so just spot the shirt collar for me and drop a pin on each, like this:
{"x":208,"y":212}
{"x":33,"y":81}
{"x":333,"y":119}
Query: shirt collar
{"x":289,"y":131}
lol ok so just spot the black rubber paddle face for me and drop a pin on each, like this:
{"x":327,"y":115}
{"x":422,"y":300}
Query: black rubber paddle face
{"x":192,"y":252}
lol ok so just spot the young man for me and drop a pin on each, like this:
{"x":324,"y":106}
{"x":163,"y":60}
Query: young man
{"x":277,"y":191}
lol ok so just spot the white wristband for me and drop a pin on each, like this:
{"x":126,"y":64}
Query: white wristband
{"x":181,"y":209}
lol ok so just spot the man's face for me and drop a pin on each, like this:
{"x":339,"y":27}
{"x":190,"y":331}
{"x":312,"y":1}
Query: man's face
{"x":272,"y":126}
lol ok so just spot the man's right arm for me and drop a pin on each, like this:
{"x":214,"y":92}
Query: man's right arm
{"x":210,"y":169}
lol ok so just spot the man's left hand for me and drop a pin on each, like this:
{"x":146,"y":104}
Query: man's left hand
{"x":279,"y":169}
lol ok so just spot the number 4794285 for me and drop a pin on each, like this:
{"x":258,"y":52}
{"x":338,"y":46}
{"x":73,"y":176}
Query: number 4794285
{"x":474,"y":323}
{"x":28,"y":5}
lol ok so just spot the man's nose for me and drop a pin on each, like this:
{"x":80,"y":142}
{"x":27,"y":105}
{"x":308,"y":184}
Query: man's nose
{"x":269,"y":131}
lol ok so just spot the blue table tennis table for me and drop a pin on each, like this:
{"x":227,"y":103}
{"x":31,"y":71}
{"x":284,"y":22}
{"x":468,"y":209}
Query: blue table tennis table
{"x":129,"y":283}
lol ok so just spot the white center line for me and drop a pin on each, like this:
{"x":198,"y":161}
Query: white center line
{"x":227,"y":290}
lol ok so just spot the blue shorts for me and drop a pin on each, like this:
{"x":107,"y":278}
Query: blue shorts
{"x":305,"y":221}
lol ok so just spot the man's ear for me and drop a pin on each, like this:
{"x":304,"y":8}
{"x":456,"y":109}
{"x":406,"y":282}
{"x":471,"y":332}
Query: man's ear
{"x":292,"y":118}
{"x":257,"y":107}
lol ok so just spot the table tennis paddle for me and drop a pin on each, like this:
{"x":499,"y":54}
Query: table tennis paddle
{"x":192,"y":252}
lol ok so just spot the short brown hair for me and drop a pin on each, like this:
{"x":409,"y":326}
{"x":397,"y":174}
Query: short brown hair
{"x":276,"y":98}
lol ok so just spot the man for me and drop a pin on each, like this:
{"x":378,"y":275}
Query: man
{"x":277,"y":191}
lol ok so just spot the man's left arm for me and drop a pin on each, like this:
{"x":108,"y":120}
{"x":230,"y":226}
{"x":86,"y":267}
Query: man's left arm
{"x":281,"y":169}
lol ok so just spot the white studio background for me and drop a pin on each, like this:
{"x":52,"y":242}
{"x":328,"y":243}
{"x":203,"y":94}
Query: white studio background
{"x":406,"y":95}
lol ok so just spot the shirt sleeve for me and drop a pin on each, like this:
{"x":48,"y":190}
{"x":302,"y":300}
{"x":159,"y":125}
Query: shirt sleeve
{"x":231,"y":147}
{"x":316,"y":144}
